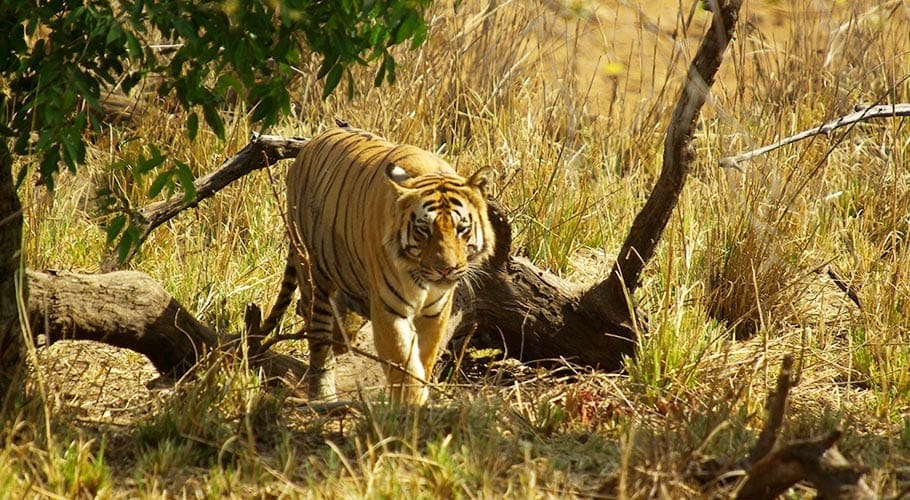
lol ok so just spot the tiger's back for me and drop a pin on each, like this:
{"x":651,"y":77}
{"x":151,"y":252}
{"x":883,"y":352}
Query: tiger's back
{"x":393,"y":228}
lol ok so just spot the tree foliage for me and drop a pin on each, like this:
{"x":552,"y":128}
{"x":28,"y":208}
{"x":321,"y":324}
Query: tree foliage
{"x":59,"y":56}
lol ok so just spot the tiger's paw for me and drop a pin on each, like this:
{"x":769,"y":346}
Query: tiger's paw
{"x":321,"y":386}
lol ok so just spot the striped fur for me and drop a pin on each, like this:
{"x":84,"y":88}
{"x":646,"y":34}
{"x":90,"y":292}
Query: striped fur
{"x":389,"y":229}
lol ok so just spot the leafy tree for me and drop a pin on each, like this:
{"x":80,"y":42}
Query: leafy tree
{"x":58,"y":58}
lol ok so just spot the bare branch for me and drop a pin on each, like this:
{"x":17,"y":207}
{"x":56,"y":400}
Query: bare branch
{"x":860,"y":115}
{"x":262,"y":151}
{"x":648,"y":226}
{"x":777,"y":408}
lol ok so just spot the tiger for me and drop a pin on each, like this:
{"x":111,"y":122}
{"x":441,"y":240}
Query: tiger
{"x":388,"y":230}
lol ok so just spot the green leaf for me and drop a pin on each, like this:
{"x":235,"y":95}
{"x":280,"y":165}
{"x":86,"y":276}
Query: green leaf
{"x":380,"y":76}
{"x":388,"y":63}
{"x":228,"y":81}
{"x":213,"y":118}
{"x":420,"y":35}
{"x":114,"y":227}
{"x":332,"y":80}
{"x":328,"y":64}
{"x":86,"y":86}
{"x":130,"y":81}
{"x":49,"y":165}
{"x":73,"y":149}
{"x":114,"y":34}
{"x":153,"y":161}
{"x":128,"y":241}
{"x":133,"y":47}
{"x":192,"y":125}
{"x":185,"y":178}
{"x":404,"y":30}
{"x":164,"y":179}
{"x":20,"y":176}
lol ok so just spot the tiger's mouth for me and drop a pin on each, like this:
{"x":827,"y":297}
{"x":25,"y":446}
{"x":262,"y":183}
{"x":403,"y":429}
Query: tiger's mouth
{"x":443,"y":278}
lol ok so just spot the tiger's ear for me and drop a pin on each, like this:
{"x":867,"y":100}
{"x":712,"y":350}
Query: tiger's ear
{"x":396,"y":174}
{"x":481,"y":178}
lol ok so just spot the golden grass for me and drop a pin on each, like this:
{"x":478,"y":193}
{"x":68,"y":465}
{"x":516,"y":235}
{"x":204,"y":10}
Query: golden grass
{"x":568,"y":101}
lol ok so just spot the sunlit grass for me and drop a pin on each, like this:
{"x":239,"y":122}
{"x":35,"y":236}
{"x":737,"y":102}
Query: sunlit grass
{"x":746,"y":253}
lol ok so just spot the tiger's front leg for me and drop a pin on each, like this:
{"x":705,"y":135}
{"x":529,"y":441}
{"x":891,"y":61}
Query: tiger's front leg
{"x":396,"y":342}
{"x":431,"y":330}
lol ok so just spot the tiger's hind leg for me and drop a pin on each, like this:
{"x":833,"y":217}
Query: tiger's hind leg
{"x":347,"y":324}
{"x":321,"y":376}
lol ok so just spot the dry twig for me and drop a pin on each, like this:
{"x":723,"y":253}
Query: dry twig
{"x":860,"y":115}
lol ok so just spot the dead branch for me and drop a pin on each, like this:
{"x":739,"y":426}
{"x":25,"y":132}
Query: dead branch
{"x":861,"y":114}
{"x":776,"y":406}
{"x":770,"y":472}
{"x":260,"y":152}
{"x":647,"y":228}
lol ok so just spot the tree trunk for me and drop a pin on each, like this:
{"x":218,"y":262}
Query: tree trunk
{"x":536,"y":315}
{"x":11,"y":346}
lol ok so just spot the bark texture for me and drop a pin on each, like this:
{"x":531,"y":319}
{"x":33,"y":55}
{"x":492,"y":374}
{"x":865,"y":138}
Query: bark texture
{"x":536,"y":315}
{"x":131,"y":310}
{"x":11,"y":345}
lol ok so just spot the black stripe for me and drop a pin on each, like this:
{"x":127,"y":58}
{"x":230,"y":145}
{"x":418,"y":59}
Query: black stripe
{"x":343,"y":214}
{"x":318,"y":308}
{"x":341,"y":221}
{"x":395,"y":291}
{"x":360,"y":192}
{"x":431,"y":304}
{"x":317,"y":151}
{"x":392,"y":310}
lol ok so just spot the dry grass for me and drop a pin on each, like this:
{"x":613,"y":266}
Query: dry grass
{"x":568,"y":101}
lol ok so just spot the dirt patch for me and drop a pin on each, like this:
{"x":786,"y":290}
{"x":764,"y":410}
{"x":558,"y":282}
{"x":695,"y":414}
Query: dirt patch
{"x":94,"y":382}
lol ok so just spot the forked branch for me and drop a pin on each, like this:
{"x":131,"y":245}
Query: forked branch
{"x":770,"y":471}
{"x":649,"y":224}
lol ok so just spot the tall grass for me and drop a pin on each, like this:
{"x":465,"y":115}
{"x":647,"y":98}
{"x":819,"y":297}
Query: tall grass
{"x":568,"y":101}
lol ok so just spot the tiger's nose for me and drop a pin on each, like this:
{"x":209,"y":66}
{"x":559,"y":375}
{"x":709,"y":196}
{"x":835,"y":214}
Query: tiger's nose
{"x":444,"y":271}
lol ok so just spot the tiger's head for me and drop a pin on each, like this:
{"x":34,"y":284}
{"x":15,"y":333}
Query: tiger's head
{"x":442,"y":223}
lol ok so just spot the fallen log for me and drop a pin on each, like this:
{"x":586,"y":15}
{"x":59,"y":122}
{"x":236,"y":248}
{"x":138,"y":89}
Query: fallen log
{"x":129,"y":309}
